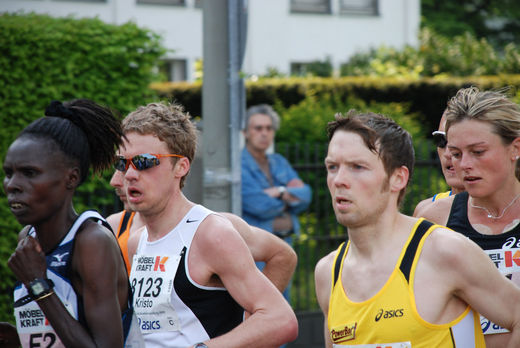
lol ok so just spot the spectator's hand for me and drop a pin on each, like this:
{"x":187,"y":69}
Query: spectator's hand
{"x":28,"y":261}
{"x":273,"y":192}
{"x":8,"y":336}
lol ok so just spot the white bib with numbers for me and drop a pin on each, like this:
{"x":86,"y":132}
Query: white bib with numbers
{"x":507,"y":260}
{"x":34,"y":330}
{"x":152,"y":284}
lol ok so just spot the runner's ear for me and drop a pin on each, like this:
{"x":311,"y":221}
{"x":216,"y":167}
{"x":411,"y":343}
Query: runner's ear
{"x":399,"y":179}
{"x":182,"y":167}
{"x":73,"y":178}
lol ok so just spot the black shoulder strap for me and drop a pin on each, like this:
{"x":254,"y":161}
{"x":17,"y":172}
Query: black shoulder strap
{"x":411,"y":250}
{"x":124,"y":223}
{"x":337,"y":264}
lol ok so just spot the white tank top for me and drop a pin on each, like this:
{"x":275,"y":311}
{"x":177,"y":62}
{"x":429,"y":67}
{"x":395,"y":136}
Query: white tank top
{"x":173,"y":310}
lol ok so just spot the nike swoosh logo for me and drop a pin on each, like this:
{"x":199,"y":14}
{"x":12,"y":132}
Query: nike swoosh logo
{"x":190,"y":221}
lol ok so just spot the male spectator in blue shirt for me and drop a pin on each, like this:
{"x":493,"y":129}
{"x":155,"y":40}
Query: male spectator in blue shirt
{"x":272,"y":193}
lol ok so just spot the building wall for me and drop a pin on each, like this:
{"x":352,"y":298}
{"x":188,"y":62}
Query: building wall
{"x":276,"y":37}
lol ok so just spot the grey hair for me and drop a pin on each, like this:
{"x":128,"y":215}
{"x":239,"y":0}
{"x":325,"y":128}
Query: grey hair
{"x":263,"y":109}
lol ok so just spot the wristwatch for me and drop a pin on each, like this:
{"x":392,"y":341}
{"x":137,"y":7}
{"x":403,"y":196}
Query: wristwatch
{"x":200,"y":345}
{"x":282,"y":190}
{"x":39,"y":287}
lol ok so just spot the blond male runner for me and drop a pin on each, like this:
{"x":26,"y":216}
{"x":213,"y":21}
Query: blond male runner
{"x":399,"y":281}
{"x":193,"y":275}
{"x":279,"y":257}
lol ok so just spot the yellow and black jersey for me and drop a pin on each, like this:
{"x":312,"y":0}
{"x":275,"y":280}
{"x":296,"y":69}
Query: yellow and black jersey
{"x":390,"y":319}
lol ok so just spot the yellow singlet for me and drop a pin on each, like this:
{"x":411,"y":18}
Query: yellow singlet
{"x":390,"y":319}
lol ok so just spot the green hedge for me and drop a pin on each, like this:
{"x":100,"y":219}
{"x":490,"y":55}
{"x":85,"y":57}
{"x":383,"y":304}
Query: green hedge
{"x":425,"y":96}
{"x":43,"y":58}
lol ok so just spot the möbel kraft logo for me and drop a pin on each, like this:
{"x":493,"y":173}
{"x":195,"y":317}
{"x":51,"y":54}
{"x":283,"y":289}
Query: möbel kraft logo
{"x":159,"y":263}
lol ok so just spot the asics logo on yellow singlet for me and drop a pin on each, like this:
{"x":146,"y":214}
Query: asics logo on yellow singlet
{"x":388,"y":314}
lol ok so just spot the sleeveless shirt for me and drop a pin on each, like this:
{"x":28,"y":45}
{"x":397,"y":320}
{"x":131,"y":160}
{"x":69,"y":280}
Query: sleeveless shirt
{"x":32,"y":326}
{"x":123,"y":233}
{"x":503,"y":249}
{"x":390,"y":319}
{"x":172,"y":309}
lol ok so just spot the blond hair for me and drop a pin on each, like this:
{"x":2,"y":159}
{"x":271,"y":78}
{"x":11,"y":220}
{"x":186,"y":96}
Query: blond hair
{"x":168,"y":122}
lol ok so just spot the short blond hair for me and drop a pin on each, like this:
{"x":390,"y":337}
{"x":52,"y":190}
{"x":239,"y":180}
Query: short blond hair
{"x":168,"y":122}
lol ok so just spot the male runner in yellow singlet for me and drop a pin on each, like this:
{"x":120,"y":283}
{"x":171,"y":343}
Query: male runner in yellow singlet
{"x":399,"y":281}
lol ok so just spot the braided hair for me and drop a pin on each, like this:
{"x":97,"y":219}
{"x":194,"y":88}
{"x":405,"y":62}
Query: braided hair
{"x":86,"y":132}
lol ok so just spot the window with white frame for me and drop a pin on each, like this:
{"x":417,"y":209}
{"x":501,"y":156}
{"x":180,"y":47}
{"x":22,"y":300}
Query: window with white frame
{"x":310,"y":6}
{"x":299,"y":68}
{"x":163,"y":2}
{"x":174,"y":69}
{"x":359,"y":7}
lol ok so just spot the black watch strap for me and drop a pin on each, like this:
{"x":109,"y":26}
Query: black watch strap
{"x":23,"y":301}
{"x":44,"y":284}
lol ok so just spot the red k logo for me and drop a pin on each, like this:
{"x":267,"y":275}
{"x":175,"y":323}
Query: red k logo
{"x":159,"y":263}
{"x":510,"y":258}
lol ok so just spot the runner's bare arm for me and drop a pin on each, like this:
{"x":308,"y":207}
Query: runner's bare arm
{"x":279,"y":257}
{"x":323,"y":282}
{"x":219,"y":250}
{"x":475,"y":279}
{"x":104,"y":288}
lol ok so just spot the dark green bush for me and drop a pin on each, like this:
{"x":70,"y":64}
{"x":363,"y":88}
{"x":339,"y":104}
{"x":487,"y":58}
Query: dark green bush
{"x":306,"y":121}
{"x":44,"y":58}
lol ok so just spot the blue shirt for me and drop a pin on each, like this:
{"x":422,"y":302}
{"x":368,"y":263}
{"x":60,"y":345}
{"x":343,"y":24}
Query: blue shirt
{"x":258,"y":208}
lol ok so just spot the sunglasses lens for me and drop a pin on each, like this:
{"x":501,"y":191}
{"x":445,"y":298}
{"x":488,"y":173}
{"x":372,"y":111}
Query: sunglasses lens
{"x":145,"y":161}
{"x":120,"y":163}
{"x":440,"y":140}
